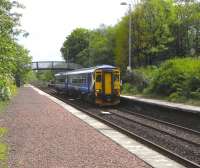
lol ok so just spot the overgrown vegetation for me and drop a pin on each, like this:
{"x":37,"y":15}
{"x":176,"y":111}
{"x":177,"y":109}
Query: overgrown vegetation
{"x":14,"y":58}
{"x":176,"y":80}
{"x":161,"y":29}
{"x":3,"y":149}
{"x":41,"y":78}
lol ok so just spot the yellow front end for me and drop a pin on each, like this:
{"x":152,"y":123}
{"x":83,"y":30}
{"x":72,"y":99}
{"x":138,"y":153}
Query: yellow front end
{"x":107,"y":87}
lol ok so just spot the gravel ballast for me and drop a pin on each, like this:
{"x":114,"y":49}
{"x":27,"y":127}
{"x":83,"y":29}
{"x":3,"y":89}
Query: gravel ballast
{"x":41,"y":134}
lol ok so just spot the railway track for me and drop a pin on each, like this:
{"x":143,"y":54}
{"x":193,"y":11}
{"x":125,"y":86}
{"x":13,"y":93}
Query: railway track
{"x":185,"y":134}
{"x":174,"y":116}
{"x":125,"y":121}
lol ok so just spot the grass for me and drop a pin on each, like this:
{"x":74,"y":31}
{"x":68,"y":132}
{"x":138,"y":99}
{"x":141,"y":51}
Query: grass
{"x":3,"y":149}
{"x":3,"y":131}
{"x":3,"y":146}
{"x":3,"y":105}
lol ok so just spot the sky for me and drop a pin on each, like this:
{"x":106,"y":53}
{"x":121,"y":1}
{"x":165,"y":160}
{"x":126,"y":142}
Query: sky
{"x":48,"y":22}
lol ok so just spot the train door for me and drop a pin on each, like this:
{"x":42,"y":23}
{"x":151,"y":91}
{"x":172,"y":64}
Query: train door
{"x":98,"y":82}
{"x":108,"y":83}
{"x":103,"y":82}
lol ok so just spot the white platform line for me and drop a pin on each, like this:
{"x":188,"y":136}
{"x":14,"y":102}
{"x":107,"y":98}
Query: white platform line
{"x":151,"y":157}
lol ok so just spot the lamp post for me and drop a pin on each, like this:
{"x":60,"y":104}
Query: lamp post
{"x":129,"y":39}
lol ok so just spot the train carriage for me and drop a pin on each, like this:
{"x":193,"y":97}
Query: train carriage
{"x":100,"y":84}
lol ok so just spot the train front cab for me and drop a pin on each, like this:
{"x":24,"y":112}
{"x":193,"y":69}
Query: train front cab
{"x":107,"y":86}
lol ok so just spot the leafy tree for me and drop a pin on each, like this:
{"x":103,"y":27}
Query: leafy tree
{"x":121,"y":46}
{"x":161,"y":29}
{"x":74,"y":44}
{"x":101,"y":48}
{"x":150,"y":33}
{"x":186,"y":29}
{"x":90,"y":48}
{"x":14,"y":58}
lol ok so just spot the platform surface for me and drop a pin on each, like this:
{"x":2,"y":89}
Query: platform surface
{"x":46,"y":133}
{"x":178,"y":106}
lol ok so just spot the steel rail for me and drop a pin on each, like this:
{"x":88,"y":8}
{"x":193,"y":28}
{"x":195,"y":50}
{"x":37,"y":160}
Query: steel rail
{"x":161,"y":121}
{"x":190,"y":131}
{"x":154,"y":128}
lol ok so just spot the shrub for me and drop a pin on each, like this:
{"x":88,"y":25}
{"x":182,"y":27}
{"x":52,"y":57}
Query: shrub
{"x":147,"y":72}
{"x":177,"y":78}
{"x":128,"y":88}
{"x":45,"y":75}
{"x":136,"y":80}
{"x":139,"y":79}
{"x":7,"y":87}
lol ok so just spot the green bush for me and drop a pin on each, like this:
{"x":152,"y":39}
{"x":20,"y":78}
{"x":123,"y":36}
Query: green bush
{"x":45,"y":75}
{"x":31,"y":77}
{"x":7,"y":87}
{"x":148,"y":72}
{"x":128,"y":88}
{"x":138,"y":80}
{"x":177,"y":78}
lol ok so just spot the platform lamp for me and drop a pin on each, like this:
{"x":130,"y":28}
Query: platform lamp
{"x":129,"y":39}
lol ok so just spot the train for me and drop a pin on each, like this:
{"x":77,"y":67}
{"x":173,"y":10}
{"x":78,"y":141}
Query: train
{"x":100,"y":84}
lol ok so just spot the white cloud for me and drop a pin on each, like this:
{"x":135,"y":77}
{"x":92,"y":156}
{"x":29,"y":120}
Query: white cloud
{"x":49,"y":22}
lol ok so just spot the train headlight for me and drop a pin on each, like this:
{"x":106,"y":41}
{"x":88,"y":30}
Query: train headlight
{"x":98,"y":92}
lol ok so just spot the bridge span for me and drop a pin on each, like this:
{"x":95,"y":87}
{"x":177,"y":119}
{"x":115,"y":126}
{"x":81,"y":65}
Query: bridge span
{"x":54,"y":65}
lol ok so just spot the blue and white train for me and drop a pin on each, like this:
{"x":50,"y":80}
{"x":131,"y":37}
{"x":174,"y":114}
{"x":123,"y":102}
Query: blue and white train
{"x":100,"y":84}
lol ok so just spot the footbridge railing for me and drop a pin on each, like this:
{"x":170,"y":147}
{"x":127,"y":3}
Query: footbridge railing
{"x":54,"y":65}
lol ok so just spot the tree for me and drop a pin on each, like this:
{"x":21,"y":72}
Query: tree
{"x":186,"y":29}
{"x":121,"y":46}
{"x":150,"y":33}
{"x":161,"y":29}
{"x":101,"y":48}
{"x":75,"y":43}
{"x":90,"y":47}
{"x":14,"y":58}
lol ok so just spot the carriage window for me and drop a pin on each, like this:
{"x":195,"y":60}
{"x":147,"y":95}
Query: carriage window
{"x":98,"y":77}
{"x":116,"y":77}
{"x":79,"y":80}
{"x":83,"y":80}
{"x":60,"y":80}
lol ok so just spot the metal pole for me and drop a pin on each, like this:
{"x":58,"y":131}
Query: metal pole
{"x":67,"y":57}
{"x":129,"y":38}
{"x":52,"y":65}
{"x":37,"y":67}
{"x":129,"y":42}
{"x":89,"y":54}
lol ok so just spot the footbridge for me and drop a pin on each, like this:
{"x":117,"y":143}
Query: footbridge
{"x":54,"y":65}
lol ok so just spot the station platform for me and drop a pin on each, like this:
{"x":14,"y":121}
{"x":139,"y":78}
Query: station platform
{"x":44,"y":132}
{"x":177,"y":106}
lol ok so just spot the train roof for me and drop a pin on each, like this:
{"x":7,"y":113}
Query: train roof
{"x":86,"y":70}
